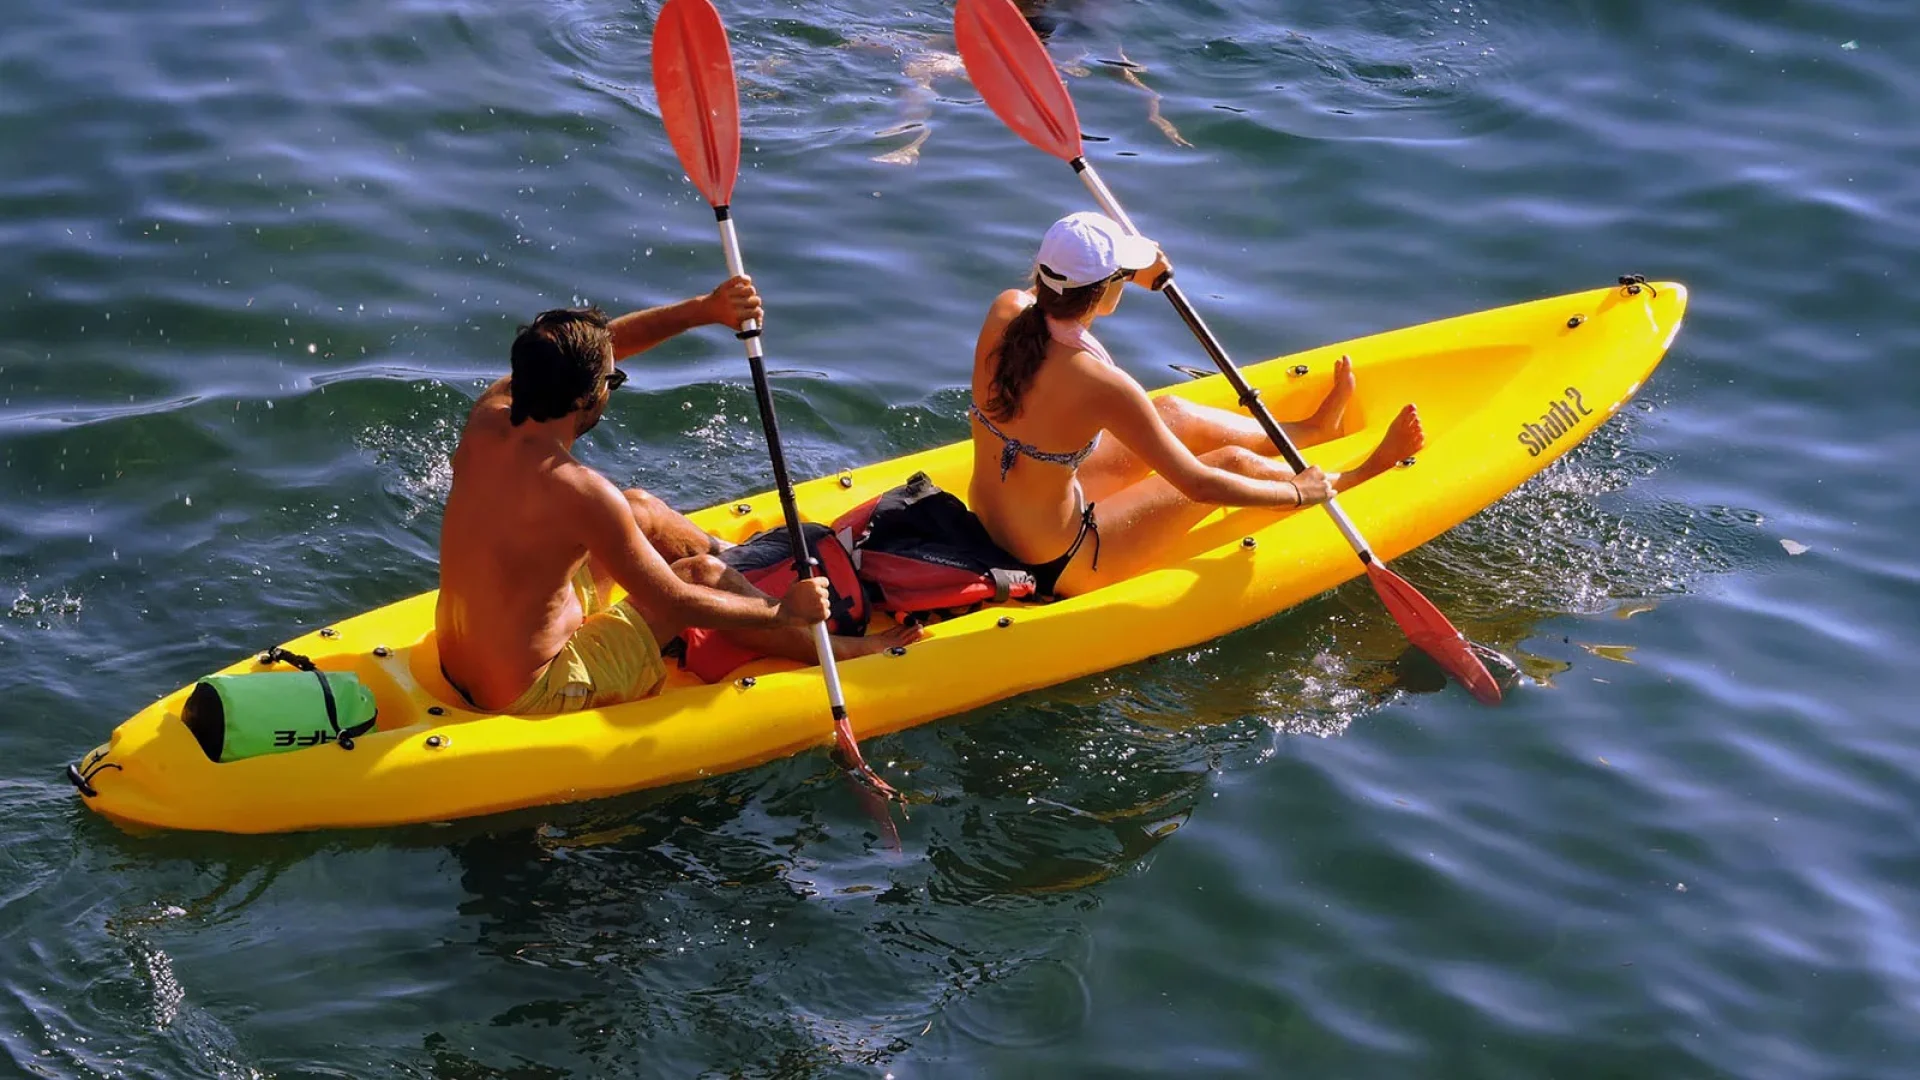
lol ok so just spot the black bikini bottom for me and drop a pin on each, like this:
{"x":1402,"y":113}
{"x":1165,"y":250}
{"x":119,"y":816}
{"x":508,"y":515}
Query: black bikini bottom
{"x":1046,"y":575}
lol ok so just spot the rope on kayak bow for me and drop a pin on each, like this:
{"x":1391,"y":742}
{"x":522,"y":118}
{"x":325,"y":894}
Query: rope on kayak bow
{"x":301,"y":663}
{"x":81,"y":775}
{"x":1633,"y":283}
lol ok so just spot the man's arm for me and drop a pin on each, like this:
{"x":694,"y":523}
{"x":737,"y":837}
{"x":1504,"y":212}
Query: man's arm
{"x":662,"y":598}
{"x":732,"y":303}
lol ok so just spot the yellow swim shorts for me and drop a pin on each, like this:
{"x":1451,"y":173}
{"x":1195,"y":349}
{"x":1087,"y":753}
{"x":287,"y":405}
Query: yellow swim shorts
{"x":612,"y":658}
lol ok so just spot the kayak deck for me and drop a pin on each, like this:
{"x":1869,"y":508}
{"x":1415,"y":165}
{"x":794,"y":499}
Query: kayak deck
{"x":1502,"y":394}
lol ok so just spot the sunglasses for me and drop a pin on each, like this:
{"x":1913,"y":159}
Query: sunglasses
{"x":615,"y":380}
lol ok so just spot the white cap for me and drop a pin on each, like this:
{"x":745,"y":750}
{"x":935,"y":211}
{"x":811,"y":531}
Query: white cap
{"x":1083,"y":248}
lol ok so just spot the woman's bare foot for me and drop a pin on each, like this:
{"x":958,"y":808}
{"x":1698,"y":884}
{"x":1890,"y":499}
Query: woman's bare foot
{"x":1404,"y":438}
{"x":1325,"y":422}
{"x":848,"y":648}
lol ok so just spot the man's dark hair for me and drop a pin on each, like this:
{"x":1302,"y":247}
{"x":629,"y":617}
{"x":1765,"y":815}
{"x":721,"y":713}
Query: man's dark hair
{"x":557,"y":363}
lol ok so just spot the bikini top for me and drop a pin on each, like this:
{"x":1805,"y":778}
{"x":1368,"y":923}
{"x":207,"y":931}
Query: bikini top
{"x":1066,"y":332}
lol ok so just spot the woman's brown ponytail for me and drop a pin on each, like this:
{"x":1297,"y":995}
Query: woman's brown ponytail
{"x":1024,"y":345}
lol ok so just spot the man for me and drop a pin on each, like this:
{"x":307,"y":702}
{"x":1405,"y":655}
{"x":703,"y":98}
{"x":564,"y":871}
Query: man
{"x":533,"y":540}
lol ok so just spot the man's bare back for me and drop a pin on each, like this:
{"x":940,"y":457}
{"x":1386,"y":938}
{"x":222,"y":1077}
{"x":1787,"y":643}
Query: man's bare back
{"x":523,"y":517}
{"x":509,"y":549}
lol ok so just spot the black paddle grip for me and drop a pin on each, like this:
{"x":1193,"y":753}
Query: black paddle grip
{"x":789,"y":508}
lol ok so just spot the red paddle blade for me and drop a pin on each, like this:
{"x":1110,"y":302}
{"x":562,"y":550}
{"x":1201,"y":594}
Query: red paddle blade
{"x":1432,"y":633}
{"x":846,"y":753}
{"x":1013,"y":72}
{"x":693,"y":78}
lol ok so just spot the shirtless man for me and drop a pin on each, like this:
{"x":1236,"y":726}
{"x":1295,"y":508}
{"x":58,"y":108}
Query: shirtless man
{"x":533,"y":540}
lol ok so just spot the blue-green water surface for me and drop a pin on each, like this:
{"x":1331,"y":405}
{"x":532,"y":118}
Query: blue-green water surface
{"x":256,"y":259}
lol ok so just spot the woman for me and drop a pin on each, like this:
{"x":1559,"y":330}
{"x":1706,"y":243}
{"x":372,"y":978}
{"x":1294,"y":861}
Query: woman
{"x":1045,"y":391}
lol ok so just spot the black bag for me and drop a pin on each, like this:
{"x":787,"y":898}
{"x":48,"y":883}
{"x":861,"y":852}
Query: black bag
{"x":922,"y":554}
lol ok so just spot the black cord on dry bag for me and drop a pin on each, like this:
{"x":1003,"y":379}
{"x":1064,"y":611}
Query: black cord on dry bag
{"x":300,"y":663}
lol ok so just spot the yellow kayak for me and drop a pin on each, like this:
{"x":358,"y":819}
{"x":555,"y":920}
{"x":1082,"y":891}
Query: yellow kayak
{"x":1502,"y":394}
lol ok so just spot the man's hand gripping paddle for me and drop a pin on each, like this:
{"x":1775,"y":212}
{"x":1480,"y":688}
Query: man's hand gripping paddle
{"x":1012,"y":71}
{"x":693,"y":78}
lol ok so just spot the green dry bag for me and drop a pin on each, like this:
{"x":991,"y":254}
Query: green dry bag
{"x":271,"y":712}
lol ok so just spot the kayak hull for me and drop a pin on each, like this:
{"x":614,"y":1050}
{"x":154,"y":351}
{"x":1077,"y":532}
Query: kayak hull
{"x":1502,"y":393}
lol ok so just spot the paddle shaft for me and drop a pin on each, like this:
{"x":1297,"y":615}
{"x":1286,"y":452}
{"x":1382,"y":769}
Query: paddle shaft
{"x":1249,"y":397}
{"x":802,"y":562}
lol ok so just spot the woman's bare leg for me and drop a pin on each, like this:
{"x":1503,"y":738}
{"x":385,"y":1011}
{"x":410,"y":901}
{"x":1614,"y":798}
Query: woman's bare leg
{"x":1203,"y":428}
{"x":1138,"y":522}
{"x":1404,"y":438}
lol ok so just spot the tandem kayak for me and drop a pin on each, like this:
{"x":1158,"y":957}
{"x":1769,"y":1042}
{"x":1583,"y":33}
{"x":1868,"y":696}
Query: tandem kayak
{"x":1502,"y":394}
